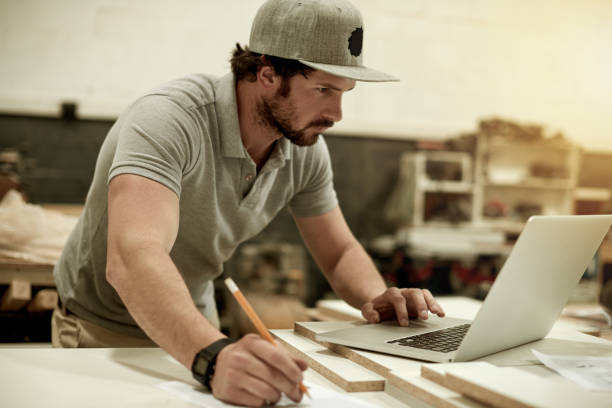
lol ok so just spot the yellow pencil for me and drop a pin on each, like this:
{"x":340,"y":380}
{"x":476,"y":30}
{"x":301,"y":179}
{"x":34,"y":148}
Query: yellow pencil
{"x":246,"y":306}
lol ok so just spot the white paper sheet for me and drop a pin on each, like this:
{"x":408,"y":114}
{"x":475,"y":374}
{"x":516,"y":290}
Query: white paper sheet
{"x":593,"y":373}
{"x":597,"y":313}
{"x":321,"y":397}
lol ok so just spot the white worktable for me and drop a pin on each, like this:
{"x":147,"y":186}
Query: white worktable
{"x":105,"y":378}
{"x":34,"y":377}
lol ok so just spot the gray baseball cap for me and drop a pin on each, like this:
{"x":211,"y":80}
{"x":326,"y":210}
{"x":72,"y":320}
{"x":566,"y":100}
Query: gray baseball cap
{"x":323,"y":34}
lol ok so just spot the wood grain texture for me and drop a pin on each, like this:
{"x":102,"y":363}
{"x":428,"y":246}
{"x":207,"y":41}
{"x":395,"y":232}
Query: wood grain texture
{"x":432,"y":393}
{"x":511,"y":387}
{"x":380,"y":363}
{"x":341,"y":371}
{"x":402,"y":373}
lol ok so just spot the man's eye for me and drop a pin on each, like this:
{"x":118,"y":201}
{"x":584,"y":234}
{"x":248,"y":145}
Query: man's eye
{"x":323,"y":90}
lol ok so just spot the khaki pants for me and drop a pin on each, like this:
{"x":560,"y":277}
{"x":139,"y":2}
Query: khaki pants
{"x":70,"y":331}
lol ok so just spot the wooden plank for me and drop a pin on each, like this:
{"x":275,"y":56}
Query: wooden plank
{"x":435,"y":373}
{"x":402,"y":373}
{"x":35,"y":273}
{"x":431,"y":393}
{"x":406,"y":398}
{"x":16,"y":296}
{"x":311,"y":329}
{"x":341,"y":371}
{"x":380,"y":363}
{"x":45,"y":299}
{"x":431,"y":388}
{"x":511,"y":387}
{"x":482,"y":392}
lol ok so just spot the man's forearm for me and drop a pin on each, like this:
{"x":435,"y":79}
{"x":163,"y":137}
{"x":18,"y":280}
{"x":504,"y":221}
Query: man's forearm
{"x":355,"y":277}
{"x":156,"y":296}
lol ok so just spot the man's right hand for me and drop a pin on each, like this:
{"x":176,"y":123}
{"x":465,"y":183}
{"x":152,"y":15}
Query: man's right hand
{"x":253,"y":372}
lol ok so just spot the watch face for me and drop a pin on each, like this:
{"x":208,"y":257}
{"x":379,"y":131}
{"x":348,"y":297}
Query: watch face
{"x":200,"y":365}
{"x":203,"y":367}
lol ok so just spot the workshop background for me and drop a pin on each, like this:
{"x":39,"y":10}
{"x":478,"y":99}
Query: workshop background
{"x":503,"y":111}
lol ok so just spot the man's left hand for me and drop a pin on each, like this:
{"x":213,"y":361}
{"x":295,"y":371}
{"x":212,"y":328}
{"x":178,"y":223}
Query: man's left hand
{"x":400,"y":304}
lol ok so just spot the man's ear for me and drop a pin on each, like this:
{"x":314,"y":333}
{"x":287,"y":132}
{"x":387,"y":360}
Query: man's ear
{"x":266,"y":76}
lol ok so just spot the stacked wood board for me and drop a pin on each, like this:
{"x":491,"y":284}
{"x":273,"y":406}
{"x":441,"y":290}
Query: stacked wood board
{"x":19,"y":294}
{"x":512,"y":387}
{"x":512,"y":380}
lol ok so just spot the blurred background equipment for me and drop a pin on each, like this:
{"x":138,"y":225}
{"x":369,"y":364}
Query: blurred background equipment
{"x":458,"y":206}
{"x":432,"y":186}
{"x":31,"y":232}
{"x":271,"y":276}
{"x":12,"y":169}
{"x":275,"y":268}
{"x":31,"y":241}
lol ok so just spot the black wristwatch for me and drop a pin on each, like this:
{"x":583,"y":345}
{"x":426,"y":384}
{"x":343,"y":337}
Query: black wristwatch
{"x":203,"y":367}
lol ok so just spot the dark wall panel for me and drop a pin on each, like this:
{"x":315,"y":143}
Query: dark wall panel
{"x":61,"y":154}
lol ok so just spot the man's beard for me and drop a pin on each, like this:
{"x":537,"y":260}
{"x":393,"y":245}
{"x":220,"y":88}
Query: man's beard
{"x":278,"y":116}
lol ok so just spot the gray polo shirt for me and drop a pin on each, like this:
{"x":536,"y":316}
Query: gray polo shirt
{"x":185,"y":135}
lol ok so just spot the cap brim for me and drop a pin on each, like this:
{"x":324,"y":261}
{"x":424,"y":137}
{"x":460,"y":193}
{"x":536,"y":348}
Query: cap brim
{"x":357,"y":73}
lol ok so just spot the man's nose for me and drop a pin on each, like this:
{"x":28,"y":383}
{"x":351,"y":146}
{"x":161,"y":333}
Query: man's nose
{"x":334,"y":109}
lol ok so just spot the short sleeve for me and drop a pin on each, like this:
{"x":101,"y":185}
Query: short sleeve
{"x":317,"y":196}
{"x":156,"y":139}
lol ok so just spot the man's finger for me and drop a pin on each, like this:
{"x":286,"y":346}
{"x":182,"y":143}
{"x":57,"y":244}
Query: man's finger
{"x":432,"y":303}
{"x":300,"y":362}
{"x":269,"y":375}
{"x":260,"y":390}
{"x":369,"y":313}
{"x":398,"y":301}
{"x":415,"y":298}
{"x":241,"y":397}
{"x":278,"y":357}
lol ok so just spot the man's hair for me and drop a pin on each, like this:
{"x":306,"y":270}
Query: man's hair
{"x":245,"y":64}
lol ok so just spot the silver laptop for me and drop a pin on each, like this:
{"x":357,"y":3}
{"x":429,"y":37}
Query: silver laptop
{"x":527,"y":297}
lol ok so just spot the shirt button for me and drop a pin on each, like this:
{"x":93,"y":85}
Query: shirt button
{"x":249,"y":177}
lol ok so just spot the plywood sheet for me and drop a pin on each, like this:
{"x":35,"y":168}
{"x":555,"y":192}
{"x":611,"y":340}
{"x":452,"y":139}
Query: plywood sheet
{"x":380,"y":363}
{"x":402,"y":373}
{"x":437,"y":372}
{"x":511,"y":387}
{"x":432,"y":393}
{"x":343,"y":372}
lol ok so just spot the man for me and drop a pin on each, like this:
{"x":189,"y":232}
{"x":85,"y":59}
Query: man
{"x":193,"y":169}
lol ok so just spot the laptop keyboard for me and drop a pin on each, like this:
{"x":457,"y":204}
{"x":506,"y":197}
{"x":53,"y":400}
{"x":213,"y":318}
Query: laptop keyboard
{"x":444,"y":340}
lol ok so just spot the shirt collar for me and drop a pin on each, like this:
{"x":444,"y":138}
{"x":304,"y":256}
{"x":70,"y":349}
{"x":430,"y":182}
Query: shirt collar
{"x":227,"y":117}
{"x":283,"y":148}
